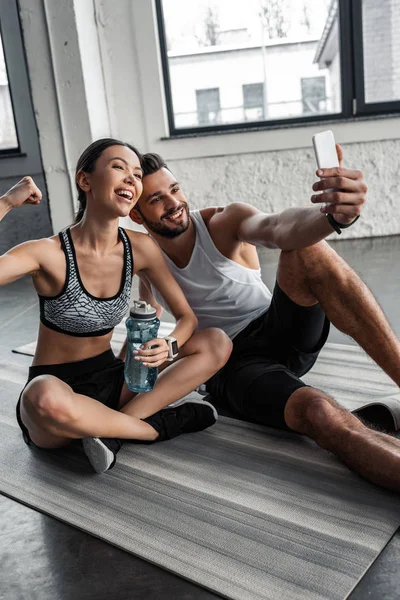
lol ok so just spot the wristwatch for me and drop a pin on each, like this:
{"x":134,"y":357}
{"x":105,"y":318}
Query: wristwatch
{"x":172,"y":347}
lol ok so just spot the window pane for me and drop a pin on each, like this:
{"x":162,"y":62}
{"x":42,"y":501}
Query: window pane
{"x":253,"y":101}
{"x":8,"y":134}
{"x":381,"y":41}
{"x":278,"y":59}
{"x":208,"y":106}
{"x":313,"y":95}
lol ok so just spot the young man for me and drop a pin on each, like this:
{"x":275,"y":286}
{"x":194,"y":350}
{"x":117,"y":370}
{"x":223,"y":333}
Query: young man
{"x":277,"y":337}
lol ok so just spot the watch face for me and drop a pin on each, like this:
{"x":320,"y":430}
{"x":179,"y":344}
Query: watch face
{"x":174,"y":347}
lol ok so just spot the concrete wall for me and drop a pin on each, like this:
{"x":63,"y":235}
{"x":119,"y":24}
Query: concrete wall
{"x":273,"y":181}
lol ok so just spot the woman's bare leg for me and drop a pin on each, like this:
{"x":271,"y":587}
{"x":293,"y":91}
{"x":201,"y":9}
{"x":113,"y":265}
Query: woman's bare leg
{"x":205,"y":353}
{"x":55,"y":415}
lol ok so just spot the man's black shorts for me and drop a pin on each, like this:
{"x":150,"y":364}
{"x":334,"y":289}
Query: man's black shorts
{"x":268,"y":358}
{"x":99,"y":377}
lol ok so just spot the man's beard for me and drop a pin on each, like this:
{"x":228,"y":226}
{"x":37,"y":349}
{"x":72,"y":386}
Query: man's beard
{"x":163,"y":230}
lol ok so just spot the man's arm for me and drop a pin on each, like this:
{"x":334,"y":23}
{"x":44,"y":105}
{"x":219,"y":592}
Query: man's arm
{"x":344,"y":190}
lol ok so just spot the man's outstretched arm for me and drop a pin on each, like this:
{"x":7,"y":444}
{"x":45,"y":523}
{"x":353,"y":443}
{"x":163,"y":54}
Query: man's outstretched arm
{"x":343,"y":189}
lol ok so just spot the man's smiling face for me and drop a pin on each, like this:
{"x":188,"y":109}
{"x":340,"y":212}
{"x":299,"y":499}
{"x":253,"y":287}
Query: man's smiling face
{"x":162,"y":207}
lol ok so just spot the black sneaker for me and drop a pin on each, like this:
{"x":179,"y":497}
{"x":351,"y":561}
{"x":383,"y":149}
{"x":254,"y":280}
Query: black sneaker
{"x":184,"y":416}
{"x":101,"y":452}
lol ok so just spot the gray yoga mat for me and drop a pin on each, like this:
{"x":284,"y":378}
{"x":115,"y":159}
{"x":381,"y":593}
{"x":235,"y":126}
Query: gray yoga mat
{"x":342,"y":370}
{"x":249,"y":512}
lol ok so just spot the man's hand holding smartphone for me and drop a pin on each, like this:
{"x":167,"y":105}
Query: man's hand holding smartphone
{"x":342,"y":191}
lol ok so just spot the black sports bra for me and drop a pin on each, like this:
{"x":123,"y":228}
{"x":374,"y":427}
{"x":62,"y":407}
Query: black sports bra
{"x":74,"y":310}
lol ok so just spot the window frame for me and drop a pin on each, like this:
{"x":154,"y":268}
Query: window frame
{"x":354,"y":106}
{"x":14,"y":54}
{"x":15,"y":149}
{"x":363,"y":107}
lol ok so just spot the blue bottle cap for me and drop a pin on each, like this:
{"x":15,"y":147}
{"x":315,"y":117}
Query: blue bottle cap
{"x":142,"y":311}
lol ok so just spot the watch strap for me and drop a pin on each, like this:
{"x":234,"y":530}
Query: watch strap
{"x":172,"y":345}
{"x":339,"y":226}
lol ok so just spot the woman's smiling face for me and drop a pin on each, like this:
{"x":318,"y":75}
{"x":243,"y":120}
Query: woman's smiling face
{"x":116,"y":183}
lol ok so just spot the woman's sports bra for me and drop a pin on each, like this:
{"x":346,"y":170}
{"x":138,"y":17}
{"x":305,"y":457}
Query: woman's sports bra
{"x":74,"y":310}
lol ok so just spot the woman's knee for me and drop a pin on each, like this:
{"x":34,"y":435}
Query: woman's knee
{"x":46,"y":398}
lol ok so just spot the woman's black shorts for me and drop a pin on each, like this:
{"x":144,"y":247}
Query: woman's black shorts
{"x":268,"y":358}
{"x":100,"y":377}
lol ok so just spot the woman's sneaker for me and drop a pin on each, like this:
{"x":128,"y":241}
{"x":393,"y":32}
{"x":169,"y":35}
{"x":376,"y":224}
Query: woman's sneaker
{"x":187,"y":415}
{"x":101,"y":452}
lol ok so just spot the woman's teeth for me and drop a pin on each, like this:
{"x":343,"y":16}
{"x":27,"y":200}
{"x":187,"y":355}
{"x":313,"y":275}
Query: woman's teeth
{"x":125,"y":194}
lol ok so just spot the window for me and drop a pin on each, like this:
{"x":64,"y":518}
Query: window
{"x":253,"y":101}
{"x":313,"y":95}
{"x":8,"y":134}
{"x":317,"y":59}
{"x":208,"y":106}
{"x":381,"y":50}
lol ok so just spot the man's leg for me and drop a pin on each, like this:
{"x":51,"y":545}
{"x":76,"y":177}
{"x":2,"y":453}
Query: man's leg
{"x":373,"y":455}
{"x":270,"y":394}
{"x":318,"y":274}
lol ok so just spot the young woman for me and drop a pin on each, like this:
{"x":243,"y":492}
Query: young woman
{"x":83,"y":278}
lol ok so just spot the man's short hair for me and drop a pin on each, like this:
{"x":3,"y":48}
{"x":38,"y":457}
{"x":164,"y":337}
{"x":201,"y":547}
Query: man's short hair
{"x":151,"y":163}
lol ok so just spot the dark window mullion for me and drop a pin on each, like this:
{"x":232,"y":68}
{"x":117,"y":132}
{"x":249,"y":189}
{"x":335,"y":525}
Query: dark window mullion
{"x":165,"y":66}
{"x":347,"y":63}
{"x":358,"y":53}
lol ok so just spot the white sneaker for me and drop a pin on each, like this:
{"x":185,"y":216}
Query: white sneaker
{"x":101,"y":452}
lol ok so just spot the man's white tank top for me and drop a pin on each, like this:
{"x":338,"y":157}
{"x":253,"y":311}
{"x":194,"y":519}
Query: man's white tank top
{"x":221,"y":292}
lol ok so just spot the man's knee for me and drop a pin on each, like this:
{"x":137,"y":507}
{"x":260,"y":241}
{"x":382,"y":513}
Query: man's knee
{"x":308,"y":407}
{"x":44,"y":400}
{"x":218,"y":346}
{"x":312,"y":261}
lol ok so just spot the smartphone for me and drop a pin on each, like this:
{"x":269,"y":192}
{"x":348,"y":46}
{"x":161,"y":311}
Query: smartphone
{"x":325,"y":150}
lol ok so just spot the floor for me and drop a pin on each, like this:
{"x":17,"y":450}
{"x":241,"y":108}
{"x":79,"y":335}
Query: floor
{"x":44,"y":559}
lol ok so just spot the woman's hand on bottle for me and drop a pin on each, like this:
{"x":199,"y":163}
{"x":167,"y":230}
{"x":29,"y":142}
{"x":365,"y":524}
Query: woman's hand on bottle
{"x":153,"y":353}
{"x":23,"y":192}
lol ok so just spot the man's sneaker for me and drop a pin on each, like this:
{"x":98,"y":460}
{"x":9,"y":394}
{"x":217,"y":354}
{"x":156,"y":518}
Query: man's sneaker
{"x":101,"y":452}
{"x":184,"y":416}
